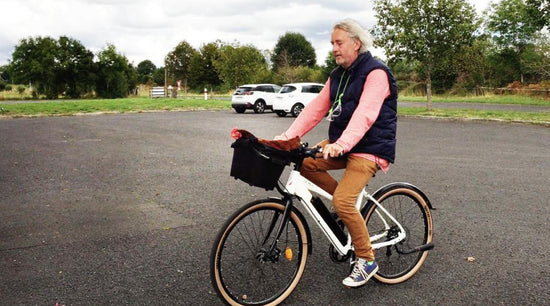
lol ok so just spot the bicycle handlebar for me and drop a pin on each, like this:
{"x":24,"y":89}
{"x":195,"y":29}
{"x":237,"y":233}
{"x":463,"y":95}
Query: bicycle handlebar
{"x":306,"y":151}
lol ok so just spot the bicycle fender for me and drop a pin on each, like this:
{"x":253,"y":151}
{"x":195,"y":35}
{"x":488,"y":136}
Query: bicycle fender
{"x":394,"y":185}
{"x":302,"y":219}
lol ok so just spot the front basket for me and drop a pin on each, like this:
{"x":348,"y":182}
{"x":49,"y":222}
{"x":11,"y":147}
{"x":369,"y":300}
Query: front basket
{"x":257,"y":164}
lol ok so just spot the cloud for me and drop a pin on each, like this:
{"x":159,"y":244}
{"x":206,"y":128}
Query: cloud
{"x":144,"y":29}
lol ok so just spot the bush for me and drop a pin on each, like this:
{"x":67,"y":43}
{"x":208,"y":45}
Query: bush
{"x":411,"y":88}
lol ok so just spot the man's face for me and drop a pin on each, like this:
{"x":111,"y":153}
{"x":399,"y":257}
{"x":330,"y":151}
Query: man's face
{"x":344,"y":48}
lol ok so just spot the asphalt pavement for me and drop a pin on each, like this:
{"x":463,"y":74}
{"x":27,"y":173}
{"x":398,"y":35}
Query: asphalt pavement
{"x":123,"y":209}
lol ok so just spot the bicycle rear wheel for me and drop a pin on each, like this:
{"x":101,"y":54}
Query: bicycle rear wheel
{"x":243,"y":271}
{"x":398,"y":263}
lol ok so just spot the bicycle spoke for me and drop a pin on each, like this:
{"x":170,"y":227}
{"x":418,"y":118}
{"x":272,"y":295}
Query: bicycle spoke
{"x":396,"y":262}
{"x":247,"y":270}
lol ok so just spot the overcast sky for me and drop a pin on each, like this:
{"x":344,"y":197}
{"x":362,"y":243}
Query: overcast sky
{"x":147,"y":29}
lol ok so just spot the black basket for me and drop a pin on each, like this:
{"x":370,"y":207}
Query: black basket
{"x":257,"y":164}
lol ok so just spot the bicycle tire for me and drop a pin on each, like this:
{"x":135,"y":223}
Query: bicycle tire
{"x":239,"y":269}
{"x":412,"y":210}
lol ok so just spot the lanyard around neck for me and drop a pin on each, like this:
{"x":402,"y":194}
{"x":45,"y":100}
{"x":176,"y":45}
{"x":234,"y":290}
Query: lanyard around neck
{"x":339,"y":94}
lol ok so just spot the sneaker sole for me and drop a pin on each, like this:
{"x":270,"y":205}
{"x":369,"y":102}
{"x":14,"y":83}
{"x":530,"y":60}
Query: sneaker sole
{"x":359,"y":284}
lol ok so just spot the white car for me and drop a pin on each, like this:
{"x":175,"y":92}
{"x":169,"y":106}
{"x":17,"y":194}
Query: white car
{"x":258,"y":97}
{"x":294,"y":97}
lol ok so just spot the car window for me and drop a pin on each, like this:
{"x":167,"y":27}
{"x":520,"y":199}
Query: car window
{"x":312,"y":88}
{"x":265,"y":88}
{"x":287,"y":89}
{"x":242,"y":90}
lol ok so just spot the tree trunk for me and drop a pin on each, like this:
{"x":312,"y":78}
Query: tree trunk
{"x":429,"y":90}
{"x":165,"y":81}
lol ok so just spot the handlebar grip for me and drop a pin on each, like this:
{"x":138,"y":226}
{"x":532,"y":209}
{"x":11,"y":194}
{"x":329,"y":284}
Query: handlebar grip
{"x":312,"y":152}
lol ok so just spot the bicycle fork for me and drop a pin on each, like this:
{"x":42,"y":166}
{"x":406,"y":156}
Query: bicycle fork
{"x":273,"y":253}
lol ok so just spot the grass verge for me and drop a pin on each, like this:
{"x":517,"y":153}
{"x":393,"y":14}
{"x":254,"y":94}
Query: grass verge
{"x":489,"y":99}
{"x":144,"y":104}
{"x":74,"y":107}
{"x":539,"y":118}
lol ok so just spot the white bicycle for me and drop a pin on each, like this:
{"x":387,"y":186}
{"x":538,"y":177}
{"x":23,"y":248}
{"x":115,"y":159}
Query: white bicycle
{"x":260,"y":253}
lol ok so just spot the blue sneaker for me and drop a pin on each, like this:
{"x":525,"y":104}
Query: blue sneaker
{"x":361,"y":273}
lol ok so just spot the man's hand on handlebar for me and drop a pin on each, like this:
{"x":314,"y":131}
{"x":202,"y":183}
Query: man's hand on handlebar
{"x":332,"y":150}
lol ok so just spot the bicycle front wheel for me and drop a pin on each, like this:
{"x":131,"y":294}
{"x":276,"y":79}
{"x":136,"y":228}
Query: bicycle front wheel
{"x":397,"y":263}
{"x":243,"y":269}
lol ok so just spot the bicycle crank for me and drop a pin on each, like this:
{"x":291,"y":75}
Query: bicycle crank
{"x":335,"y":256}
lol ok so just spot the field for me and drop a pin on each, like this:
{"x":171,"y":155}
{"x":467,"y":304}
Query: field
{"x":461,"y":107}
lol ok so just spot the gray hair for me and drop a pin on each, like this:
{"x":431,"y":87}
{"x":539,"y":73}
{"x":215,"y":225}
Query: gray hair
{"x":356,"y":31}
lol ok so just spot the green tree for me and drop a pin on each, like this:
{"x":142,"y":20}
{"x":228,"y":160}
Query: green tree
{"x":330,"y":64}
{"x":5,"y":73}
{"x":238,"y":65}
{"x":54,"y":67}
{"x":300,"y":74}
{"x":115,"y":76}
{"x":424,"y":31}
{"x":293,"y":50}
{"x":202,"y":70}
{"x":145,"y":70}
{"x":536,"y":59}
{"x":74,"y":67}
{"x":178,"y":62}
{"x":158,"y":76}
{"x":132,"y":75}
{"x":34,"y":61}
{"x":503,"y":67}
{"x":540,"y":11}
{"x":407,"y":76}
{"x":470,"y":65}
{"x":512,"y":24}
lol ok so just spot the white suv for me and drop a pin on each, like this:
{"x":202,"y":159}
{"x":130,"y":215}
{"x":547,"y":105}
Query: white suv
{"x":294,"y":97}
{"x":258,"y":97}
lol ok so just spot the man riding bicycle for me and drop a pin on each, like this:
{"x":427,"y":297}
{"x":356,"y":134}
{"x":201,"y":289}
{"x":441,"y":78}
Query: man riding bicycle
{"x":360,"y":98}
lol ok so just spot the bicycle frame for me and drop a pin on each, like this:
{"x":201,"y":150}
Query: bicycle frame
{"x":302,"y":188}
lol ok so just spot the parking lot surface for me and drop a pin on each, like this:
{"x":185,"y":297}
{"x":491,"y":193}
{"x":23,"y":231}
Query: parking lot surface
{"x":123,"y":209}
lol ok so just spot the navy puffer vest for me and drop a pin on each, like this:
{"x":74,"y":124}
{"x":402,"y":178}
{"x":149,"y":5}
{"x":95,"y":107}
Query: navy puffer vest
{"x":380,"y":138}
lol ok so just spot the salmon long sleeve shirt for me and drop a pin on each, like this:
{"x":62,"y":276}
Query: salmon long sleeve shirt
{"x":375,"y":90}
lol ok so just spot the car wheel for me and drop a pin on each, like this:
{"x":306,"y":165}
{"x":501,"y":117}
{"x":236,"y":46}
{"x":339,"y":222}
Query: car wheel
{"x":297,"y":109}
{"x":240,"y":110}
{"x":281,"y":113}
{"x":259,"y":106}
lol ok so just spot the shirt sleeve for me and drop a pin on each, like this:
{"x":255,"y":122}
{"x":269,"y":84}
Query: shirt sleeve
{"x":375,"y":90}
{"x":311,"y":115}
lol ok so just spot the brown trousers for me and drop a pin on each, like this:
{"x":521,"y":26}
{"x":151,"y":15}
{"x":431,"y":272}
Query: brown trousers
{"x":358,"y":173}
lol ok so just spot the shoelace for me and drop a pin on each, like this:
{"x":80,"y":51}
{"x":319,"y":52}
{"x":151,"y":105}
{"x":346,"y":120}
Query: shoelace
{"x":357,"y":269}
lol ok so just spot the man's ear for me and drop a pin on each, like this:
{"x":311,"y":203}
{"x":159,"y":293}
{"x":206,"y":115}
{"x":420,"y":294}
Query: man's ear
{"x":357,"y":45}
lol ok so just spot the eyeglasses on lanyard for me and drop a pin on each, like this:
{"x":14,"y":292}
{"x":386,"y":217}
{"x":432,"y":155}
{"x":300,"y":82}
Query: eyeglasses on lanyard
{"x":336,"y":109}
